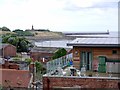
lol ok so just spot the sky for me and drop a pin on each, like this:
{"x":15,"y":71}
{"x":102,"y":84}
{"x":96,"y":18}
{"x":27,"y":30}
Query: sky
{"x":60,"y":15}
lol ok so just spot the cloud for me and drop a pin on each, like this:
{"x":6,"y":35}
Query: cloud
{"x":62,"y":15}
{"x":101,"y":5}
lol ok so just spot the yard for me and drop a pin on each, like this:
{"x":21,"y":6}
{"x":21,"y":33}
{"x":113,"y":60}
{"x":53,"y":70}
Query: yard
{"x":89,"y":73}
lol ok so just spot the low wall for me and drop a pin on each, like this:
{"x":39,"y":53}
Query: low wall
{"x":59,"y":82}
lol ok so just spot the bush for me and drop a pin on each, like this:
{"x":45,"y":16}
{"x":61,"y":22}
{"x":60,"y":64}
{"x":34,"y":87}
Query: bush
{"x":17,"y":59}
{"x":28,"y":60}
{"x":59,"y":53}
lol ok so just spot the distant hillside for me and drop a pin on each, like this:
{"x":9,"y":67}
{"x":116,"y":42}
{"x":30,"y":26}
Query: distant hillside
{"x":41,"y":35}
{"x":47,"y":34}
{"x":5,"y":32}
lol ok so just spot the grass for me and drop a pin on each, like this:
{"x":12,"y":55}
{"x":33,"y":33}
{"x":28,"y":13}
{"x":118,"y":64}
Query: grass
{"x":5,"y":32}
{"x":94,"y":74}
{"x":18,"y":57}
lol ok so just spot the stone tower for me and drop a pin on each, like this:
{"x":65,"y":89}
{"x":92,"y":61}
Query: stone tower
{"x":32,"y":27}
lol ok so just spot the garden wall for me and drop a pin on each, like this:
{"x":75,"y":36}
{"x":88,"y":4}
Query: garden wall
{"x":73,"y":82}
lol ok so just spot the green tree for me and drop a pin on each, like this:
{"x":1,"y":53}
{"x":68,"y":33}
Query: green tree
{"x":28,"y":60}
{"x":40,"y":70}
{"x":5,"y":28}
{"x":59,"y":53}
{"x":5,"y":38}
{"x":21,"y":43}
{"x":39,"y":66}
{"x":20,"y":32}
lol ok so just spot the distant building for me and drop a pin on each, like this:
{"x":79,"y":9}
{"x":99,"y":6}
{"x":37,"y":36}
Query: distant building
{"x":42,"y":54}
{"x":7,"y":50}
{"x":33,"y":29}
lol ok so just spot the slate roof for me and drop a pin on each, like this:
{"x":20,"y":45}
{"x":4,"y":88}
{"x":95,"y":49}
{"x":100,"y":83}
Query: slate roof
{"x":44,"y":49}
{"x":97,"y":42}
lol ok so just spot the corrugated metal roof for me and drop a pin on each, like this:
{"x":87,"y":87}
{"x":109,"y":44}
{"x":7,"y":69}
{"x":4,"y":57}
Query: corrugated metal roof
{"x":95,"y":42}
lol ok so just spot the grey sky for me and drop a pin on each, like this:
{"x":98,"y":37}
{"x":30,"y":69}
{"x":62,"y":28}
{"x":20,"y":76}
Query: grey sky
{"x":60,"y":15}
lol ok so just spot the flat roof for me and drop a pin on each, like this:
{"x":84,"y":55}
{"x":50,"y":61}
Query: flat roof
{"x":96,"y":42}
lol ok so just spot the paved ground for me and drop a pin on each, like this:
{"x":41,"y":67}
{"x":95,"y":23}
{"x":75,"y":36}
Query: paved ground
{"x":67,"y":72}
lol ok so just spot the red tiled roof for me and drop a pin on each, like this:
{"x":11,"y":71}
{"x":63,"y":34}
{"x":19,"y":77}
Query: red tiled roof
{"x":14,"y":78}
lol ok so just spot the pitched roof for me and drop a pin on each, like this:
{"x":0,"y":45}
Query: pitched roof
{"x":97,"y":42}
{"x":14,"y":78}
{"x":44,"y":49}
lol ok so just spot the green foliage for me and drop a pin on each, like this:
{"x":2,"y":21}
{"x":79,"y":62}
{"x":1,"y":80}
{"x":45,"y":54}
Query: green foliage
{"x":16,"y":59}
{"x":28,"y":60}
{"x":39,"y":66}
{"x":40,"y":70}
{"x":4,"y":28}
{"x":43,"y":30}
{"x":21,"y":43}
{"x":23,"y":33}
{"x":59,"y":53}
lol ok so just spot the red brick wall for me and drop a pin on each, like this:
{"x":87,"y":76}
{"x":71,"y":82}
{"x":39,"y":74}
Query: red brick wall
{"x":51,"y":82}
{"x":8,"y":65}
{"x":39,"y":55}
{"x":9,"y":50}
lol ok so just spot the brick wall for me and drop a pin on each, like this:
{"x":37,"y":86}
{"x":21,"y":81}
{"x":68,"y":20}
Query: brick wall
{"x":39,"y":56}
{"x":93,"y":83}
{"x":9,"y":50}
{"x":8,"y":65}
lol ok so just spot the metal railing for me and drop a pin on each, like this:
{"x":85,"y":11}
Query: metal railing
{"x":59,"y":62}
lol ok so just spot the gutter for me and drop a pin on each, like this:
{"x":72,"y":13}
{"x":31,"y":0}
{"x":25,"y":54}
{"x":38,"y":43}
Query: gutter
{"x":94,"y":45}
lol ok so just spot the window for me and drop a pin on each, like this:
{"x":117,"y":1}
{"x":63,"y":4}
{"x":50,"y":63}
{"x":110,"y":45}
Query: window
{"x":114,"y":51}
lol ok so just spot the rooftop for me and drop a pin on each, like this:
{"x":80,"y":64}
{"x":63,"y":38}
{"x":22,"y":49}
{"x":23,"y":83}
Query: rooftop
{"x":14,"y":78}
{"x":96,"y":41}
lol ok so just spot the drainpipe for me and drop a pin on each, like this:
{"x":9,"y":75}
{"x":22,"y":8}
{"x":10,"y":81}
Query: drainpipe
{"x":30,"y":82}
